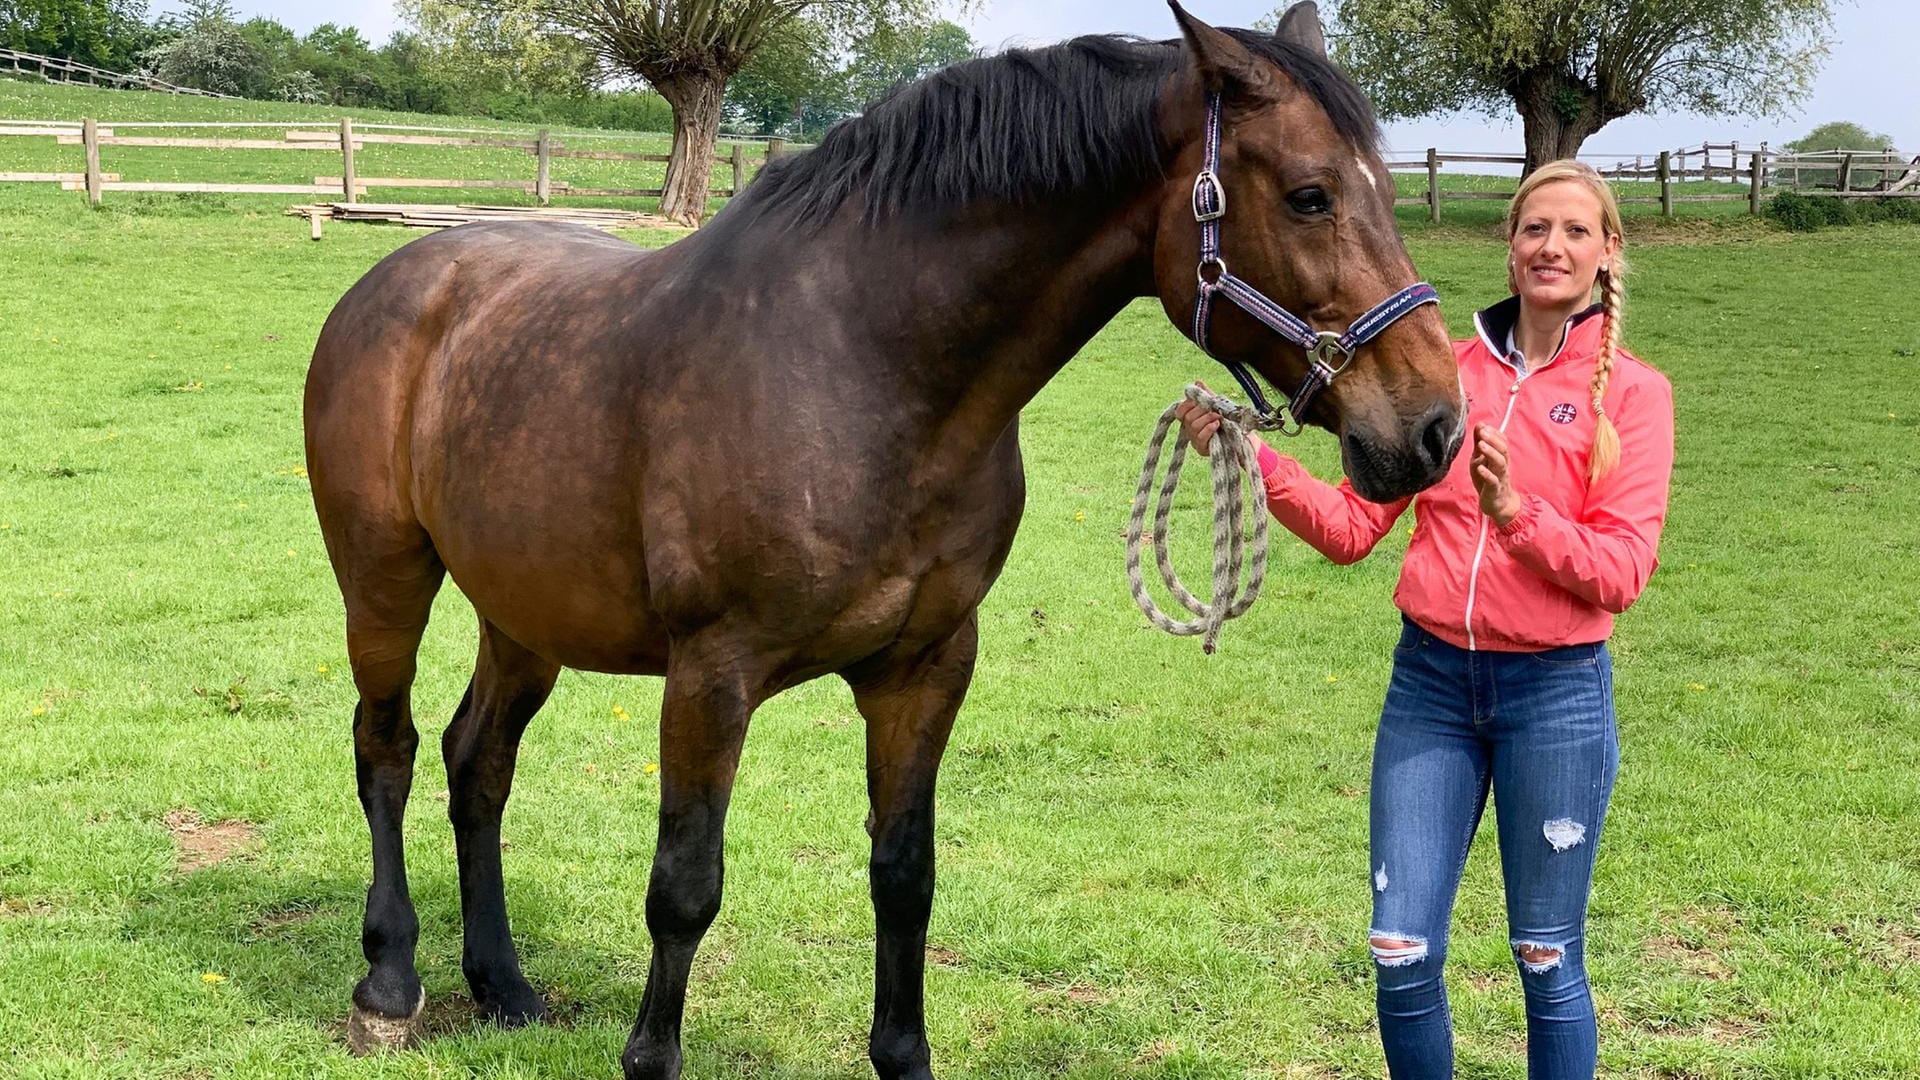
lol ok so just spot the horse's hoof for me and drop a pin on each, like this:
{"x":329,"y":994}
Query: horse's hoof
{"x":368,"y":1032}
{"x":650,"y":1063}
{"x":517,"y":1008}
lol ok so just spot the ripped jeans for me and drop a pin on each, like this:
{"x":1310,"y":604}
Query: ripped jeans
{"x":1538,"y":729}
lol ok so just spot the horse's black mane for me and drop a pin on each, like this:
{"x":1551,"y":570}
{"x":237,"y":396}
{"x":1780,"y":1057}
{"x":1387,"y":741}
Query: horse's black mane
{"x":1021,"y":127}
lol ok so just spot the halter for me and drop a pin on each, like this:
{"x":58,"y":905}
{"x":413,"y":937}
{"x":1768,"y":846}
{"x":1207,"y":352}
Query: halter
{"x":1328,"y":353}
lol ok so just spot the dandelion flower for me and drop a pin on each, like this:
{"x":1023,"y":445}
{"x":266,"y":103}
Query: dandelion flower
{"x":1331,"y":679}
{"x":651,"y":767}
{"x":1696,"y":687}
{"x":1079,"y":515}
{"x":213,"y":978}
{"x":319,"y":669}
{"x":39,"y":710}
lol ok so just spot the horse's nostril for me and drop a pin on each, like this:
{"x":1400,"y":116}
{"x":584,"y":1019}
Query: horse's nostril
{"x":1438,"y":439}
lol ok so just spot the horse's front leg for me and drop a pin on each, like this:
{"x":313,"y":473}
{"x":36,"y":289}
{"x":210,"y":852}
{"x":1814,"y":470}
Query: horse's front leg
{"x":909,"y":703}
{"x":703,"y":722}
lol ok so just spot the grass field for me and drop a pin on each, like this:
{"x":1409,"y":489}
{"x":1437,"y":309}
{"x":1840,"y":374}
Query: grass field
{"x":1152,"y":862}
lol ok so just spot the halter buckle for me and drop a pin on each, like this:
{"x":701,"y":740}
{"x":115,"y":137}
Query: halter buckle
{"x":1328,"y":348}
{"x":1209,"y":197}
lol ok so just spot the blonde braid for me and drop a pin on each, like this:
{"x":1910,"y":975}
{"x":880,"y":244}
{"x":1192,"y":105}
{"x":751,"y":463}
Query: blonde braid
{"x":1606,"y":438}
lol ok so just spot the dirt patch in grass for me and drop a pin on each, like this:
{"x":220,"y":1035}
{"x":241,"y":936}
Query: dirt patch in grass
{"x":13,"y":907}
{"x":201,"y":844}
{"x":275,"y":919}
{"x":1695,"y":959}
{"x":941,"y":956}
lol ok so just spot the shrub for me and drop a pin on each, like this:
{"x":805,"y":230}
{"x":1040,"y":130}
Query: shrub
{"x":1805,"y":213}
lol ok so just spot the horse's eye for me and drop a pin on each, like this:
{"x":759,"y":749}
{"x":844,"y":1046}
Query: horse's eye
{"x":1311,"y":200}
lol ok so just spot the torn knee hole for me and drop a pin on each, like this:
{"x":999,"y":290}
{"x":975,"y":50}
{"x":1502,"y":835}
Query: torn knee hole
{"x":1392,"y":950}
{"x":1537,"y":959}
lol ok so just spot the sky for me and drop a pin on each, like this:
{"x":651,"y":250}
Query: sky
{"x":1870,"y":76}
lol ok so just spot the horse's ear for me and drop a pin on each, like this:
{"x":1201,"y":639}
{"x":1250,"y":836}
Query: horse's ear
{"x":1224,"y":63}
{"x":1301,"y":26}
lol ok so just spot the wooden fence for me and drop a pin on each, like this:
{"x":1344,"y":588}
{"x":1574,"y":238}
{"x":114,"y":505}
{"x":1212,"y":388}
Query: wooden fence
{"x":1764,"y":173}
{"x":344,"y":138}
{"x":53,"y":69}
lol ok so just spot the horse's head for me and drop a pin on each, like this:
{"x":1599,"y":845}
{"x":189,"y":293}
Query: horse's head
{"x":1310,"y":225}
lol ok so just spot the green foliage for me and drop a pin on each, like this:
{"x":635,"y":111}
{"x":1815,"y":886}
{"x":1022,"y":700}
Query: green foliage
{"x":107,"y":34}
{"x":800,"y":83}
{"x":1805,"y":213}
{"x":895,"y":53}
{"x":792,"y":82}
{"x":1578,"y":64}
{"x":1839,"y":135}
{"x":205,"y":49}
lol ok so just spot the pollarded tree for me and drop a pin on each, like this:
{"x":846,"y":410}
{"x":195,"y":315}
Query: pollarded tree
{"x":685,"y":49}
{"x":1569,"y":67}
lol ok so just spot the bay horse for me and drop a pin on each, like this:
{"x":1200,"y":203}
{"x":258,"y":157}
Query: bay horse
{"x":787,"y":447}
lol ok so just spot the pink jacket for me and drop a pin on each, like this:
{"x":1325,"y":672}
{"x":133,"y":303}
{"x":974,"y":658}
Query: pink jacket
{"x":1576,"y":555}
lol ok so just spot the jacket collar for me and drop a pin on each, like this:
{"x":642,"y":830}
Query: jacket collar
{"x":1497,"y":323}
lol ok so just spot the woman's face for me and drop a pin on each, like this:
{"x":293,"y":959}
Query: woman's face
{"x":1559,"y":246}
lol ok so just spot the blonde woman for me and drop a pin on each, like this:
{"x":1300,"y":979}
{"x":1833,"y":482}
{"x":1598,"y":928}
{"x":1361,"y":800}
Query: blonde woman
{"x":1519,"y":561}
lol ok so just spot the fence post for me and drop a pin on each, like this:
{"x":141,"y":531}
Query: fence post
{"x":1433,"y":185}
{"x":1666,"y":184}
{"x":346,"y":158}
{"x":775,"y":147}
{"x":1733,"y":163}
{"x":542,"y":184}
{"x":90,"y":135}
{"x":1846,"y":174}
{"x":1753,"y":188}
{"x":1763,"y":169}
{"x":739,"y":163}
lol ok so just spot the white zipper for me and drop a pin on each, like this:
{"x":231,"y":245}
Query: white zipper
{"x":1479,"y":552}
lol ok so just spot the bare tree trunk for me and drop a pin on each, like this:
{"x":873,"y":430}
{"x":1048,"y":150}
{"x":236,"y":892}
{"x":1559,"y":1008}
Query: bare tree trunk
{"x":695,"y":99}
{"x":1556,"y":117}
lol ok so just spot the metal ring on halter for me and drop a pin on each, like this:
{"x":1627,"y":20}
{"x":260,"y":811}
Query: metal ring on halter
{"x":1207,"y":179}
{"x":1287,"y":422}
{"x":1217,"y":263}
{"x":1325,"y":349}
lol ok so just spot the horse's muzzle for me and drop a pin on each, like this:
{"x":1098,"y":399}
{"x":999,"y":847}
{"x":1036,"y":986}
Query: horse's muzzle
{"x":1383,"y":469}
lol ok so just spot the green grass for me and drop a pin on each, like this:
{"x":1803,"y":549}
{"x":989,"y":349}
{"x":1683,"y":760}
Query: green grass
{"x":1152,"y":862}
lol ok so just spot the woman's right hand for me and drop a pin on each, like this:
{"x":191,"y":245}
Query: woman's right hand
{"x":1199,"y":422}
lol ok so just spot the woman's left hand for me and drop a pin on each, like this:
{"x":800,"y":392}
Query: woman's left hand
{"x":1490,"y":479}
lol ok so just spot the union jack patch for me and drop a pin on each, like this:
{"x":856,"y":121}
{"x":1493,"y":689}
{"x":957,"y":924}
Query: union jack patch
{"x":1563,"y":413}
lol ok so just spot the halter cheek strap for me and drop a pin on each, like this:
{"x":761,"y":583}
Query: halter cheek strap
{"x":1328,"y":353}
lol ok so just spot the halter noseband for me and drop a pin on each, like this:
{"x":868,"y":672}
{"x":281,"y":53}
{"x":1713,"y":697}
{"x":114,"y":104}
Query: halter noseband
{"x":1328,"y":353}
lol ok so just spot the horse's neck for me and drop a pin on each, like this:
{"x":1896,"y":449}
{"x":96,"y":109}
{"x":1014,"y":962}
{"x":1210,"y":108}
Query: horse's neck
{"x":989,"y":306}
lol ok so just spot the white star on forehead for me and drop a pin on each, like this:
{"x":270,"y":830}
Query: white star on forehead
{"x":1367,"y":171}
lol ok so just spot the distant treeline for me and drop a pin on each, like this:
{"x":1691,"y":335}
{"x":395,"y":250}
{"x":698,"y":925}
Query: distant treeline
{"x":208,"y":48}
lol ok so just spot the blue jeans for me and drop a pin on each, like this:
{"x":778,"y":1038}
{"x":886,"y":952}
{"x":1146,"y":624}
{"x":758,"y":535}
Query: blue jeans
{"x":1537,"y":728}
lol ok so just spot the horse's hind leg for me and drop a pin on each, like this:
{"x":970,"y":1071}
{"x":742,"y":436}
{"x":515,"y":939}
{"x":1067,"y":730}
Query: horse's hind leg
{"x":509,"y":685}
{"x":389,"y":589}
{"x":703,"y":722}
{"x":909,"y":703}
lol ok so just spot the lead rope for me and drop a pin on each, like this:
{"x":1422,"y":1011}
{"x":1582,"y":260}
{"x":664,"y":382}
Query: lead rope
{"x":1233,"y":459}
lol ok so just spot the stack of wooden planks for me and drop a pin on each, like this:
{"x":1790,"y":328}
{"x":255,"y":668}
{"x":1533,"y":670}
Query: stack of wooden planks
{"x":438,"y":216}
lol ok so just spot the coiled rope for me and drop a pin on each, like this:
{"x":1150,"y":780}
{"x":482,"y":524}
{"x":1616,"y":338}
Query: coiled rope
{"x":1234,"y":460}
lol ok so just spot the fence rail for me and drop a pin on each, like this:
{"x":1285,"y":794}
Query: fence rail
{"x":1887,"y":171}
{"x":344,"y":138}
{"x":53,"y":69}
